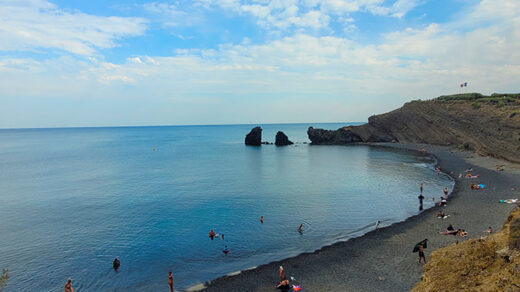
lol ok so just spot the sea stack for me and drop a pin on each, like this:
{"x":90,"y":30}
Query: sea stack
{"x":254,"y":138}
{"x":282,"y":139}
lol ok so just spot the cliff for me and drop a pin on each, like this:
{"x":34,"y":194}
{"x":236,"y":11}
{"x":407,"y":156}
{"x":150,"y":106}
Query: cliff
{"x":489,"y":125}
{"x":487,"y":264}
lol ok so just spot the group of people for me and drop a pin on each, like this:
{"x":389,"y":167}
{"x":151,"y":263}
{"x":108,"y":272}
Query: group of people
{"x":451,"y":231}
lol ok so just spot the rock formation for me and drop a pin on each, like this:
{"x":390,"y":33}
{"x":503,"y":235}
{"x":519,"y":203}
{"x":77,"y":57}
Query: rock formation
{"x":489,"y":125}
{"x":254,"y":138}
{"x":282,"y":139}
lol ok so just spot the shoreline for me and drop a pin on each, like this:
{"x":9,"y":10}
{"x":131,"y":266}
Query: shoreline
{"x":383,"y":259}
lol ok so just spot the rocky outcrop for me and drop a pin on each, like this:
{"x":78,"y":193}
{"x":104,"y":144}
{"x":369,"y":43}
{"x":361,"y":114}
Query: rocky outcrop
{"x":330,"y":137}
{"x":282,"y":139}
{"x":485,"y":264}
{"x":489,"y":125}
{"x":254,"y":138}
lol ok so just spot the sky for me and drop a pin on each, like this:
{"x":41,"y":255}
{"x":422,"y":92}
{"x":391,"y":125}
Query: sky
{"x":70,"y":63}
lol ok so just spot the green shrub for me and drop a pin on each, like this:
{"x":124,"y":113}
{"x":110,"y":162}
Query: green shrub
{"x":3,"y":279}
{"x":475,"y":105}
{"x":501,"y":103}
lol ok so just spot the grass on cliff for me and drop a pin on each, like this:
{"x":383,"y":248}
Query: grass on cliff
{"x":485,"y":264}
{"x":3,"y":279}
{"x":500,"y":99}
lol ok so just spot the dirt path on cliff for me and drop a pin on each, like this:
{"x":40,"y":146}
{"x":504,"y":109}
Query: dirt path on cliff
{"x":383,"y":261}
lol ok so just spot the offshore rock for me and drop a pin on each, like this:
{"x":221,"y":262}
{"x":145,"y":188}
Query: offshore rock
{"x":330,"y":137}
{"x":282,"y":139}
{"x":254,"y":138}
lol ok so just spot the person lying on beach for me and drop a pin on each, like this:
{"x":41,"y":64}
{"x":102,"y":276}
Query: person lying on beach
{"x":443,"y":202}
{"x":469,"y":169}
{"x":284,"y":285}
{"x":474,"y":186}
{"x":469,"y":175}
{"x":441,"y":215}
{"x":490,"y":230}
{"x":450,"y":231}
{"x":462,"y":232}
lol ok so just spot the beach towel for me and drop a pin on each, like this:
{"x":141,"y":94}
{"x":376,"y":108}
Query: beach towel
{"x":424,"y":243}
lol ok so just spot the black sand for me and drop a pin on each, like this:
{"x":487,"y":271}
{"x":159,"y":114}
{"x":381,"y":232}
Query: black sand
{"x":383,"y":260}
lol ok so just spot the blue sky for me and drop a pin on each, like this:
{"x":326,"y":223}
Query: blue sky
{"x":107,"y":63}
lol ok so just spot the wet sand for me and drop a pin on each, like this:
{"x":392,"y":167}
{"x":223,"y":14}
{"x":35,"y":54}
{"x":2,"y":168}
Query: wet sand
{"x":383,"y":260}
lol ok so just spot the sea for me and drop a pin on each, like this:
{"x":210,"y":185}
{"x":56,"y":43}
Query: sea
{"x":73,"y":199}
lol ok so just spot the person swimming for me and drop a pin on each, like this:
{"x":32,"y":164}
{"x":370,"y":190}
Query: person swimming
{"x":262,"y":219}
{"x":300,"y":228}
{"x":211,"y":234}
{"x":225,"y":250}
{"x":116,"y":264}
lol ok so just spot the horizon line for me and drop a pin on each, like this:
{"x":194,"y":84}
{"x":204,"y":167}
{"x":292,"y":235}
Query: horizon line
{"x":180,"y":125}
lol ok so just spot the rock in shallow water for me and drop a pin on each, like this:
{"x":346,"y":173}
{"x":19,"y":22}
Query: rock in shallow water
{"x":282,"y":139}
{"x":254,"y":138}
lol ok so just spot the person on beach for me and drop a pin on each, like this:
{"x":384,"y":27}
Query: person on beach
{"x":490,"y":230}
{"x":262,"y":219}
{"x":284,"y":285}
{"x":377,"y":225}
{"x":211,"y":234}
{"x":421,"y":198}
{"x":300,"y":228}
{"x":421,"y":253}
{"x":68,"y":286}
{"x":446,"y":192}
{"x":116,"y":264}
{"x":443,"y":202}
{"x":421,"y":187}
{"x":438,"y":170}
{"x":282,"y":275}
{"x":170,"y":281}
{"x":441,"y":215}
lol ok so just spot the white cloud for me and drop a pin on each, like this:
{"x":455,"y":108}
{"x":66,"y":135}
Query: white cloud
{"x":328,"y":77}
{"x":35,"y":24}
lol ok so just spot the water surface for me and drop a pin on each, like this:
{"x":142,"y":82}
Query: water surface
{"x":73,"y":199}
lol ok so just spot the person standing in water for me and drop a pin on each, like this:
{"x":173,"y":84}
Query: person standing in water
{"x":116,"y":264}
{"x":300,"y":228}
{"x":377,"y":225}
{"x":211,"y":234}
{"x":68,"y":286}
{"x":421,"y":198}
{"x":262,"y":219}
{"x":421,"y":187}
{"x":446,"y":191}
{"x":170,"y":281}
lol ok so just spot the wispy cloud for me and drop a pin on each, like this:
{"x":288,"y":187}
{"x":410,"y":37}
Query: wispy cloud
{"x":34,"y":24}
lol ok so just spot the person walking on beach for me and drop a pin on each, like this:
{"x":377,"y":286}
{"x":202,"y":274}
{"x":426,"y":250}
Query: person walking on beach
{"x":421,"y":198}
{"x":170,"y":281}
{"x":282,"y":276}
{"x":68,"y":286}
{"x":421,"y":253}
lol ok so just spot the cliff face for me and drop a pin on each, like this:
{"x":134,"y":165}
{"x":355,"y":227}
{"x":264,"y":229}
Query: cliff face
{"x":487,"y":264}
{"x":490,"y":125}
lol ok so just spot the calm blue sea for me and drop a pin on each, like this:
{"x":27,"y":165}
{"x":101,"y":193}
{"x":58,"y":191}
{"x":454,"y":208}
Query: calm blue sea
{"x":71,"y":200}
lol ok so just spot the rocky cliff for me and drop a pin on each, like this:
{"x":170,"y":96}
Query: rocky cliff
{"x":489,"y":125}
{"x":487,"y":264}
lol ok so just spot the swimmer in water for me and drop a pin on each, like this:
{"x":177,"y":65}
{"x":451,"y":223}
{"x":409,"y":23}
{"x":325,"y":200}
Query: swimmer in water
{"x":225,"y":250}
{"x":262,"y":219}
{"x":211,"y":234}
{"x":300,"y":228}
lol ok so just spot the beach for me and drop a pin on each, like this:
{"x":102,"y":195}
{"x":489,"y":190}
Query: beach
{"x":383,"y":260}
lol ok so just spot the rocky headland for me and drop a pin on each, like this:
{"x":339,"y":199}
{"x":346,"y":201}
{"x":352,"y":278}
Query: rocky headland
{"x":488,"y":125}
